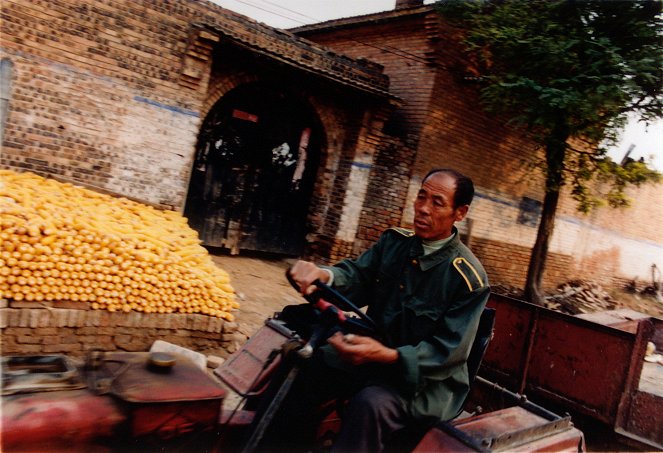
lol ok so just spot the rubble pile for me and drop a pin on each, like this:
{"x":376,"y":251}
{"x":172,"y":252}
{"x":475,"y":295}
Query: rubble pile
{"x":506,"y":290}
{"x":579,"y":296}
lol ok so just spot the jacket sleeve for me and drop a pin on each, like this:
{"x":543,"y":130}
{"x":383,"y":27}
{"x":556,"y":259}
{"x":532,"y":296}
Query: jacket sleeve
{"x":445,"y":352}
{"x":354,"y":277}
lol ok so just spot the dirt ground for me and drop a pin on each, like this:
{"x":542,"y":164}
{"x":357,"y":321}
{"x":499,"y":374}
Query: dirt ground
{"x":261,"y":287}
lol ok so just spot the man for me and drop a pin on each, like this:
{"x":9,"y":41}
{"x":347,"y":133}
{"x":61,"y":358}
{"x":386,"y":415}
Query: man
{"x":426,"y":291}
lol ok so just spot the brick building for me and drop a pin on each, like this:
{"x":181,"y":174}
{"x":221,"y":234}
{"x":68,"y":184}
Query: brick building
{"x":162,"y":102}
{"x":309,"y":141}
{"x":440,"y":123}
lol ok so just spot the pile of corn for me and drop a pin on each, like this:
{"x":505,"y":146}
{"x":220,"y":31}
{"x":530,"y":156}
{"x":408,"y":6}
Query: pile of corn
{"x":60,"y":242}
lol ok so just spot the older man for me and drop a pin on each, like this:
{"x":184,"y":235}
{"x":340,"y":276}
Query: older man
{"x":426,"y":291}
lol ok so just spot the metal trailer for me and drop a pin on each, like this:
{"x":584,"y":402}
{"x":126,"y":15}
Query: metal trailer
{"x":592,"y":365}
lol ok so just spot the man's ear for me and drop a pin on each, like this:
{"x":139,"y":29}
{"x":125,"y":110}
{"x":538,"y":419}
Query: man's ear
{"x":461,"y":212}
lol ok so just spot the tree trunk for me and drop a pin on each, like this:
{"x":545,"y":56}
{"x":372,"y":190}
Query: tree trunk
{"x":537,"y":262}
{"x":555,"y":153}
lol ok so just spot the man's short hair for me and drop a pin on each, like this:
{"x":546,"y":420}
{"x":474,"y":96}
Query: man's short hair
{"x":464,"y":192}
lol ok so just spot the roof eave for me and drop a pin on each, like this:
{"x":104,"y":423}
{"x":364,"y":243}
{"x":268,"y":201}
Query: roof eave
{"x":373,"y":18}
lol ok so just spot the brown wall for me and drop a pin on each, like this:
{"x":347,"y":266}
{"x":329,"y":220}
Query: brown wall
{"x":448,"y":128}
{"x":98,"y":96}
{"x":403,"y":49}
{"x":111,"y":95}
{"x":39,"y":328}
{"x":350,"y":124}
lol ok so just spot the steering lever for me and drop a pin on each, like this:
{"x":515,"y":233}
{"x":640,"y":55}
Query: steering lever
{"x":344,"y":303}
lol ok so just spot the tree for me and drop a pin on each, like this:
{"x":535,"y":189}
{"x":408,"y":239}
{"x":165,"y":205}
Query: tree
{"x":569,"y":72}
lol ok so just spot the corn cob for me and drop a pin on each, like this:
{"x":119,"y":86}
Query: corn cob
{"x":60,"y":242}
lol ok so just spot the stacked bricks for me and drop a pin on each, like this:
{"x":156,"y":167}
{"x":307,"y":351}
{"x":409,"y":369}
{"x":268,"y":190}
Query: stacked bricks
{"x":387,"y":193}
{"x":506,"y":263}
{"x":410,"y":70}
{"x":39,"y":328}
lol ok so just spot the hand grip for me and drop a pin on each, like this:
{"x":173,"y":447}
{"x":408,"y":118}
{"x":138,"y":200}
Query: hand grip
{"x":311,"y":298}
{"x":330,"y":293}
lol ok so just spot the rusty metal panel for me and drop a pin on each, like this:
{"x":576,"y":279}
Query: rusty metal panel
{"x":25,"y":374}
{"x":500,"y":422}
{"x":57,"y":421}
{"x":507,"y":356}
{"x":581,"y":363}
{"x":585,"y":366}
{"x":164,"y":402}
{"x":514,"y":429}
{"x":645,"y":418}
{"x":441,"y":442}
{"x":243,"y":370}
{"x":506,"y":349}
{"x":167,"y":421}
{"x":135,"y":381}
{"x":623,"y":319}
{"x":570,"y":440}
{"x":657,"y":337}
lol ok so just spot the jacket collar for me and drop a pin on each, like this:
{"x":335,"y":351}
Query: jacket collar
{"x":438,"y":256}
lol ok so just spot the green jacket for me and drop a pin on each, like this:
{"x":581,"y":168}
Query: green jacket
{"x":428,"y":308}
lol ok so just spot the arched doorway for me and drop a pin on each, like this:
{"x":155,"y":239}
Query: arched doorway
{"x":256,"y":161}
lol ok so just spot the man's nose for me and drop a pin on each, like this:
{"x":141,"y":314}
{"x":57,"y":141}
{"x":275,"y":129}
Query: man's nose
{"x":423,"y":207}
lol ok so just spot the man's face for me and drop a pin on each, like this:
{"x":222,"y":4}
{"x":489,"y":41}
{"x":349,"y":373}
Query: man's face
{"x":434,"y":212}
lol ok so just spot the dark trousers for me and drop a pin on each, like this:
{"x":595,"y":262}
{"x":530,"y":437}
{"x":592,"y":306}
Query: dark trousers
{"x":371,"y":415}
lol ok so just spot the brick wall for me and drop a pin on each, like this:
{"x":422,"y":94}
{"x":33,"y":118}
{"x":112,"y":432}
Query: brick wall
{"x":602,"y":246}
{"x":448,"y":128}
{"x":403,"y":49}
{"x":387,"y":193}
{"x":96,"y":95}
{"x":506,"y":263}
{"x":111,"y":95}
{"x":345,"y":133}
{"x":42,"y":328}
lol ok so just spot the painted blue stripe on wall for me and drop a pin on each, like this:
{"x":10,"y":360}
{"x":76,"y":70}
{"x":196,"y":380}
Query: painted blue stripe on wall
{"x":497,"y":200}
{"x":170,"y":108}
{"x":575,"y":221}
{"x":361,"y":165}
{"x":584,"y":224}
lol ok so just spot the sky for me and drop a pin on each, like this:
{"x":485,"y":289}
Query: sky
{"x":646,"y":139}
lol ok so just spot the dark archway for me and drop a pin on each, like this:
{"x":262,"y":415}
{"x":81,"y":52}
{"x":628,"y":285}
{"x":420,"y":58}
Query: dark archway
{"x":256,"y":163}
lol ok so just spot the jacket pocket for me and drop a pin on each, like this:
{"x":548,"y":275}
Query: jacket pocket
{"x":421,"y":317}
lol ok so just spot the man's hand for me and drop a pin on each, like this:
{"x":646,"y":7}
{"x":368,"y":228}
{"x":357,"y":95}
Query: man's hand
{"x":358,"y":349}
{"x":304,"y":273}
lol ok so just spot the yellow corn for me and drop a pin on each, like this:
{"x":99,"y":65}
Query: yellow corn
{"x":64,"y":242}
